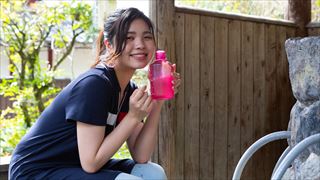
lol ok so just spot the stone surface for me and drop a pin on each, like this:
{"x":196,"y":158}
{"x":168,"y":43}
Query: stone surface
{"x":304,"y":72}
{"x":304,"y":122}
{"x":310,"y":169}
{"x":304,"y":68}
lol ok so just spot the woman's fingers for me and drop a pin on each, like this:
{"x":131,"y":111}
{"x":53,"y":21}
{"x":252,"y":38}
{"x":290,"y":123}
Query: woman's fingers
{"x":150,"y":105}
{"x":176,"y":82}
{"x":147,"y":104}
{"x":174,"y":66}
{"x":138,"y":93}
{"x":142,"y":100}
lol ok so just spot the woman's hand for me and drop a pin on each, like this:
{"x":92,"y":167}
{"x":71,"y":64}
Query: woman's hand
{"x":140,"y":104}
{"x":176,"y":79}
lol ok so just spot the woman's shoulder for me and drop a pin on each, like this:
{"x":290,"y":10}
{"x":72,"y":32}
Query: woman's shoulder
{"x":93,"y":76}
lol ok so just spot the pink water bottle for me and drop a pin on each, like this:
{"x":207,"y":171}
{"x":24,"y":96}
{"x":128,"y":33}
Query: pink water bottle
{"x":160,"y":77}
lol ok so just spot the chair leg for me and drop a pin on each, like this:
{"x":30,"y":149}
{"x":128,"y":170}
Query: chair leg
{"x":283,"y":155}
{"x":255,"y":147}
{"x":296,"y":150}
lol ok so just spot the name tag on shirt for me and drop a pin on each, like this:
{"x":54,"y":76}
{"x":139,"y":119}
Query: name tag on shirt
{"x":112,"y":118}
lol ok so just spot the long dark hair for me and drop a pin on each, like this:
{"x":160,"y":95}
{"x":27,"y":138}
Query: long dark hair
{"x":115,"y":31}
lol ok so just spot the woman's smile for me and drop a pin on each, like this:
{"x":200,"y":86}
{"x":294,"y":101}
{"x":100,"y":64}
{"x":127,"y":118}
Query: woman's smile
{"x":139,"y":56}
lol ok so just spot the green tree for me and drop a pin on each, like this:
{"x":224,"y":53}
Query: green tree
{"x":271,"y":9}
{"x":25,"y":30}
{"x":315,"y":11}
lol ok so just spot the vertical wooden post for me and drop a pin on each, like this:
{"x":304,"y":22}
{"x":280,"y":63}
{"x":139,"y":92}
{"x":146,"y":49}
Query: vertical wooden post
{"x":299,"y":11}
{"x":104,"y":9}
{"x":162,"y":14}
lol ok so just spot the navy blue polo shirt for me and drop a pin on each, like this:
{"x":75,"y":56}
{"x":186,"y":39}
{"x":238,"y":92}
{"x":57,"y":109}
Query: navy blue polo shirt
{"x":49,"y":150}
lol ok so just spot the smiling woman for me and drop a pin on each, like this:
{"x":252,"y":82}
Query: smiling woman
{"x":86,"y":124}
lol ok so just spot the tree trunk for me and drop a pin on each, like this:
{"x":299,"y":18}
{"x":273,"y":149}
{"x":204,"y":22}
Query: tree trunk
{"x":299,"y":11}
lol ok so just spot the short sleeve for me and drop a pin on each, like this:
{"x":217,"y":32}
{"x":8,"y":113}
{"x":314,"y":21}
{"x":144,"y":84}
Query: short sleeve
{"x":89,"y":101}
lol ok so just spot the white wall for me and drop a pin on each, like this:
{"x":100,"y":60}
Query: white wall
{"x":4,"y":62}
{"x":82,"y":58}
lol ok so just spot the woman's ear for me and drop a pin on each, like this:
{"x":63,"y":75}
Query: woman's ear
{"x":108,"y":44}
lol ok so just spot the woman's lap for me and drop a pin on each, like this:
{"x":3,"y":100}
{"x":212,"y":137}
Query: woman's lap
{"x":148,"y":170}
{"x":77,"y":173}
{"x":109,"y":171}
{"x":114,"y":169}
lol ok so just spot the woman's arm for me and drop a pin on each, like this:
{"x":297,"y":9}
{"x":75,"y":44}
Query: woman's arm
{"x":141,"y":142}
{"x":94,"y":149}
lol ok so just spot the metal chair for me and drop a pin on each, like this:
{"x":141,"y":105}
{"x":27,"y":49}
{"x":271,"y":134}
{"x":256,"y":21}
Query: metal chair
{"x":255,"y":147}
{"x":294,"y":153}
{"x":285,"y":159}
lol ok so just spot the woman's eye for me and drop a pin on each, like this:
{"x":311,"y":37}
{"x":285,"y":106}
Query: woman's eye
{"x":130,"y":38}
{"x":148,"y":37}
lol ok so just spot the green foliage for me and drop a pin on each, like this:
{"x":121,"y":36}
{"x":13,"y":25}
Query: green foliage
{"x":122,"y":153}
{"x":25,"y":30}
{"x":315,"y":11}
{"x":141,"y":77}
{"x":271,"y":9}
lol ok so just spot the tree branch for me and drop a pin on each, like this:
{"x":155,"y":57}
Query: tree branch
{"x":11,"y":62}
{"x":12,"y":30}
{"x":69,"y":49}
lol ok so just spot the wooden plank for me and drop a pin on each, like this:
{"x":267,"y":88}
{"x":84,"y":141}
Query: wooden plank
{"x":270,"y":95}
{"x":220,"y":99}
{"x":315,"y":31}
{"x":165,"y":34}
{"x":246,"y":124}
{"x":259,"y":97}
{"x":232,"y":16}
{"x":207,"y":97}
{"x":300,"y":13}
{"x":153,"y":16}
{"x":283,"y":82}
{"x":165,"y":138}
{"x":165,"y":29}
{"x":192,"y":86}
{"x":234,"y":99}
{"x":177,"y":170}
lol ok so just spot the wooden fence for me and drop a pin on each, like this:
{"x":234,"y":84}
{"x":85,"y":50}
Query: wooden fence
{"x":235,"y":90}
{"x":314,"y":29}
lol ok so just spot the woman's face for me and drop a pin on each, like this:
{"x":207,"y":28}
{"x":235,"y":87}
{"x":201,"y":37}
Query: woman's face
{"x":140,"y":46}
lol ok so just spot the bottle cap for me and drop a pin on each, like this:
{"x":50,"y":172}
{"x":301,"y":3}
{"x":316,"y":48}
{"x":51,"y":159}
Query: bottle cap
{"x":160,"y":55}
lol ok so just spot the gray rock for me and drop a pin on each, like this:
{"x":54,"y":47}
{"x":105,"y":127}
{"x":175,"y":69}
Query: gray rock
{"x":310,"y":169}
{"x":304,"y":72}
{"x":304,"y":122}
{"x":304,"y":68}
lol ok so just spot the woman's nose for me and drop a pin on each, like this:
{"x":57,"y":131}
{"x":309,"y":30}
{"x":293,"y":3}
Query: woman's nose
{"x":139,"y":44}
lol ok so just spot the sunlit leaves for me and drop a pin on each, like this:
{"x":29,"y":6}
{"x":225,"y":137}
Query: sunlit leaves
{"x":315,"y":12}
{"x":271,"y":9}
{"x":25,"y":30}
